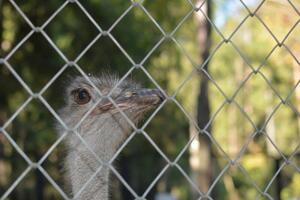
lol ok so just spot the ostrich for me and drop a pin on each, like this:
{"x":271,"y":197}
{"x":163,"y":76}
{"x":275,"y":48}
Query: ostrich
{"x":104,"y":129}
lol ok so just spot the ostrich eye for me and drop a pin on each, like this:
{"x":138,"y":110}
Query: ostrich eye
{"x":81,"y":96}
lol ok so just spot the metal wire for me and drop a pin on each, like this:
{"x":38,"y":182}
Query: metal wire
{"x":165,"y":36}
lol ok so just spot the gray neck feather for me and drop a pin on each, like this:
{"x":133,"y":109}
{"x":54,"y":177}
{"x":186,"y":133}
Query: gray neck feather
{"x":103,"y":136}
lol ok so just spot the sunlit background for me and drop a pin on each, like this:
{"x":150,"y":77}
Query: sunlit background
{"x":231,"y":70}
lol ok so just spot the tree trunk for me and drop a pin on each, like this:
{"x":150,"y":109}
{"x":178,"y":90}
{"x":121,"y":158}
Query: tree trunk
{"x":200,"y":151}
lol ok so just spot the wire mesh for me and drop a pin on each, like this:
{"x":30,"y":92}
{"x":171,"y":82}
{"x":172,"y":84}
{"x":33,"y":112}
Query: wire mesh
{"x":140,"y":65}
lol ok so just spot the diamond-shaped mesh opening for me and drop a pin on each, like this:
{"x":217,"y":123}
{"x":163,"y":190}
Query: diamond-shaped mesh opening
{"x":252,"y":6}
{"x":286,"y":140}
{"x":106,"y":13}
{"x":188,"y":89}
{"x":226,"y":20}
{"x":188,"y":27}
{"x":228,"y":134}
{"x":253,"y":161}
{"x":257,"y":88}
{"x":42,"y":10}
{"x":98,"y":58}
{"x":284,"y":182}
{"x":175,"y":138}
{"x":234,"y":183}
{"x":252,"y":31}
{"x":32,"y":189}
{"x":260,"y":151}
{"x":29,"y":60}
{"x":279,"y":25}
{"x":221,"y":64}
{"x":136,"y":45}
{"x":163,"y":11}
{"x":14,"y":27}
{"x":10,"y":169}
{"x":67,"y":34}
{"x":55,"y":94}
{"x":17,"y":95}
{"x":173,"y":185}
{"x":282,"y":82}
{"x":139,"y":76}
{"x":179,"y":68}
{"x":133,"y":164}
{"x":29,"y":130}
{"x":117,"y":190}
{"x":202,"y":160}
{"x":53,"y":164}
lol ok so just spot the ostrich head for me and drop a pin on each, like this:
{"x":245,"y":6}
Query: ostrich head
{"x":105,"y":120}
{"x":104,"y":127}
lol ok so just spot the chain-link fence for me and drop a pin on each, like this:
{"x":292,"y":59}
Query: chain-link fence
{"x":253,"y":70}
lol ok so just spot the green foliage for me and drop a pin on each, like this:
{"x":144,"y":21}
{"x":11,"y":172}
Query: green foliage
{"x":254,"y":95}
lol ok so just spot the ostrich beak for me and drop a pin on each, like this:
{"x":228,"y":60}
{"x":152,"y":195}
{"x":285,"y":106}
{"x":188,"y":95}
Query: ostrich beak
{"x":146,"y":97}
{"x":139,"y":97}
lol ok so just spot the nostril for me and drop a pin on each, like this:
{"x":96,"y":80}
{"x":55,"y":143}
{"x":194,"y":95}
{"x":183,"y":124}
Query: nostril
{"x":160,"y":94}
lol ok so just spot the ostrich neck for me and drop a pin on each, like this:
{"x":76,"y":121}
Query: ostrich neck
{"x":103,"y":138}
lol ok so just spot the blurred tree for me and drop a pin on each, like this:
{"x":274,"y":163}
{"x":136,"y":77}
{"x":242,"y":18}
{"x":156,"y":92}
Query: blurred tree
{"x":201,"y":150}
